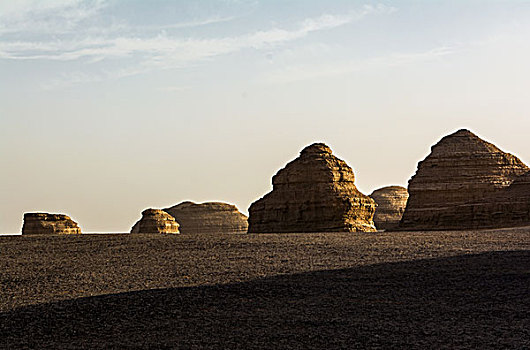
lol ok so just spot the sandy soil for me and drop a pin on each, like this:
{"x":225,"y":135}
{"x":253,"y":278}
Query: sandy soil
{"x":459,"y":289}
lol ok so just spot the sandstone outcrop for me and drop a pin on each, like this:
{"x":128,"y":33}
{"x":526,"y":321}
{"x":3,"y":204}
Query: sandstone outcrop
{"x":209,"y":217}
{"x":155,"y":221}
{"x":391,"y":202}
{"x":455,"y":186}
{"x":45,"y":223}
{"x":313,"y":193}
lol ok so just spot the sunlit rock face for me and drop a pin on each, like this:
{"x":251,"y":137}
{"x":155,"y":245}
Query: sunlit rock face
{"x":391,"y":202}
{"x":209,"y":217}
{"x":155,"y":221}
{"x":452,"y":185}
{"x":45,"y":223}
{"x":313,"y":193}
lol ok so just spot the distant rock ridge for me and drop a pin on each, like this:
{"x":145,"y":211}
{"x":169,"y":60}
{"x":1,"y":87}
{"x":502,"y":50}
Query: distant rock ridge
{"x":313,"y":193}
{"x":155,"y":221}
{"x":391,"y":202}
{"x":456,"y":185}
{"x":209,"y":217}
{"x":46,"y":223}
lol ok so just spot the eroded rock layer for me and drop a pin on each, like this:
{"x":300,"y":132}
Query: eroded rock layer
{"x":45,"y":223}
{"x":391,"y":202}
{"x":511,"y":207}
{"x":454,"y":183}
{"x":505,"y":207}
{"x":313,"y":193}
{"x":155,"y":221}
{"x":210,"y":217}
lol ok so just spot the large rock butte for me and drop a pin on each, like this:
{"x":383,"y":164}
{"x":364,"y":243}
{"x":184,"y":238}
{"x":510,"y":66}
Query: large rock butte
{"x":391,"y":202}
{"x":155,"y":221}
{"x":313,"y":193}
{"x":45,"y":223}
{"x":456,"y":186}
{"x":209,"y":217}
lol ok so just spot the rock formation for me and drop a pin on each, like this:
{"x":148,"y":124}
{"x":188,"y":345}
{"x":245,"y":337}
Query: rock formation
{"x":210,"y":217}
{"x":155,"y":221}
{"x":391,"y":202}
{"x":45,"y":223}
{"x":451,"y":186}
{"x":313,"y":193}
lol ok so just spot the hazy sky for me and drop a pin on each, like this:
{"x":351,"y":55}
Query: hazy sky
{"x":110,"y":107}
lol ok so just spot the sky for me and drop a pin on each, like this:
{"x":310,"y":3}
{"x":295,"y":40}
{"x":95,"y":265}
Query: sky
{"x":108,"y":107}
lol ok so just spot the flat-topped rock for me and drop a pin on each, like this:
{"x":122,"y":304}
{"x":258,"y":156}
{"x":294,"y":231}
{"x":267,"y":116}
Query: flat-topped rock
{"x":459,"y":173}
{"x":45,"y":223}
{"x":391,"y":202}
{"x":209,"y":217}
{"x":155,"y":221}
{"x":313,"y":193}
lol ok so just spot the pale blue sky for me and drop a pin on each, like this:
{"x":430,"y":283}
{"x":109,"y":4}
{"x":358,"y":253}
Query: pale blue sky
{"x":110,"y":107}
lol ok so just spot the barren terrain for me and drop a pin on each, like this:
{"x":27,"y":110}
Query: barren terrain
{"x":458,"y":289}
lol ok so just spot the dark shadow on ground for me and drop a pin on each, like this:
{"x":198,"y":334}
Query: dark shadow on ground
{"x":474,"y":301}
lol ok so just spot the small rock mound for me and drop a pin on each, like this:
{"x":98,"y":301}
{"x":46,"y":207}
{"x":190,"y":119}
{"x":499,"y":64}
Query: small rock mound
{"x":391,"y":202}
{"x":209,"y":217}
{"x":45,"y":223}
{"x":461,"y":170}
{"x":313,"y":193}
{"x":155,"y":221}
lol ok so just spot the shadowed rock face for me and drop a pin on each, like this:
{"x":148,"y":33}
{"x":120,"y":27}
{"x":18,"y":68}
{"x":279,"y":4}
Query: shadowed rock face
{"x":210,"y":217}
{"x":520,"y":188}
{"x":44,"y":223}
{"x":155,"y":221}
{"x":503,"y":208}
{"x":313,"y":193}
{"x":453,"y":184}
{"x":391,"y":202}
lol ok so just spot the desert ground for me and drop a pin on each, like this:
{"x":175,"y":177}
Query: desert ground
{"x":452,"y":289}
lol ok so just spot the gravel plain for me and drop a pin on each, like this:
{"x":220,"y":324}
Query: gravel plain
{"x":454,"y":290}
